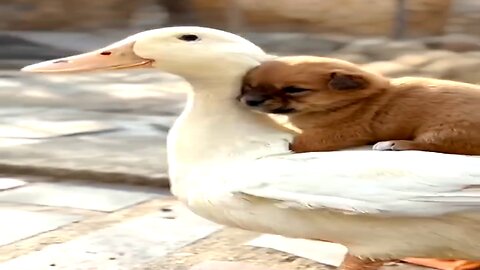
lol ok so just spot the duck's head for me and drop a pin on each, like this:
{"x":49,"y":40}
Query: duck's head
{"x":191,"y":52}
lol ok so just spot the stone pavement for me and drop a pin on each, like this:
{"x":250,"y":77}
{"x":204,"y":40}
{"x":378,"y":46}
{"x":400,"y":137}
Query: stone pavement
{"x":105,"y":126}
{"x":85,"y":225}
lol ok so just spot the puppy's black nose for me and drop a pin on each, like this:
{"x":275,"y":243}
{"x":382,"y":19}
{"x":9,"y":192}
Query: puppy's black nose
{"x":254,"y":101}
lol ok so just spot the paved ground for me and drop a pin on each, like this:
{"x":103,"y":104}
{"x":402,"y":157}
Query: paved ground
{"x":87,"y":225}
{"x":109,"y":127}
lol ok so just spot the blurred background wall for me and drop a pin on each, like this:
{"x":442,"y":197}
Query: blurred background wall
{"x":354,"y":17}
{"x":438,"y":38}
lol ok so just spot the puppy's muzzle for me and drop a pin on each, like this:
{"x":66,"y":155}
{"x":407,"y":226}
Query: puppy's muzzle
{"x":254,"y":100}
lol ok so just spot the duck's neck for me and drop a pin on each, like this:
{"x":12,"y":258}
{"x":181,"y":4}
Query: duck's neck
{"x":215,"y":128}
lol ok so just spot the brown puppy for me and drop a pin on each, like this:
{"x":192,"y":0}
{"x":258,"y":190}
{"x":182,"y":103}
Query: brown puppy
{"x":336,"y":104}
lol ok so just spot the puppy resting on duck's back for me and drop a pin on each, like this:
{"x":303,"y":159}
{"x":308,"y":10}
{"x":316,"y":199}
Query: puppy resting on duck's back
{"x":336,"y":104}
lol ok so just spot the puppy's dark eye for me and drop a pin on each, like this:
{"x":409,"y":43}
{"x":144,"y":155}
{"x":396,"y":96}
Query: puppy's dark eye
{"x":294,"y":90}
{"x":189,"y":37}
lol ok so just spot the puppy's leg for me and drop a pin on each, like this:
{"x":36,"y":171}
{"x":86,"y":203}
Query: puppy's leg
{"x":457,"y":139}
{"x":329,"y":139}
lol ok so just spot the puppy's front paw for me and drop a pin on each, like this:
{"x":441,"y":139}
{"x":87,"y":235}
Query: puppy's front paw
{"x":392,"y":146}
{"x":298,"y":148}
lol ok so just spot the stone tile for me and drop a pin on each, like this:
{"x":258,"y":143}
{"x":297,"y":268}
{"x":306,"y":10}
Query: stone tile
{"x":228,"y":245}
{"x":19,"y":111}
{"x":119,"y":247}
{"x":12,"y":142}
{"x":15,"y":47}
{"x":326,"y":253}
{"x":18,"y":224}
{"x":7,"y":183}
{"x":12,"y":131}
{"x":164,"y":123}
{"x":224,"y":265}
{"x":126,"y":154}
{"x":102,"y":91}
{"x":319,"y":251}
{"x":33,"y":129}
{"x":99,"y":198}
{"x":76,"y":41}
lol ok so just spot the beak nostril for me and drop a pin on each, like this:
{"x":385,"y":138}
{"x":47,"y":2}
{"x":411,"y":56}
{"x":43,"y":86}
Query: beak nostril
{"x":106,"y":53}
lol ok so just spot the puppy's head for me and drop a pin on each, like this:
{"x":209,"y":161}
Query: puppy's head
{"x":301,"y":84}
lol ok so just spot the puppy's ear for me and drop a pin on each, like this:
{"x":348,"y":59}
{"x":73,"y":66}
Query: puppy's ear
{"x":339,"y":81}
{"x":248,"y":76}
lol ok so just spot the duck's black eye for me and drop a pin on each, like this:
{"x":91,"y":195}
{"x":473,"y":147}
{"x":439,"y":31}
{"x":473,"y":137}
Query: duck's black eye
{"x":188,"y":37}
{"x":294,"y":90}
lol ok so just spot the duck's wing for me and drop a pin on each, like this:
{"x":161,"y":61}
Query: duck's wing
{"x":411,"y":183}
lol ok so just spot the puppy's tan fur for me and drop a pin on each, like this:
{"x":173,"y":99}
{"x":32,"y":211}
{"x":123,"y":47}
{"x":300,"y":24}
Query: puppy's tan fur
{"x":338,"y":105}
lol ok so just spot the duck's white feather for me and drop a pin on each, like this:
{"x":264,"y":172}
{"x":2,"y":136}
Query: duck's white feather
{"x":426,"y":184}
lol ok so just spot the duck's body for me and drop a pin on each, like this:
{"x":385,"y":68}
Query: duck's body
{"x":233,"y":166}
{"x":365,"y":237}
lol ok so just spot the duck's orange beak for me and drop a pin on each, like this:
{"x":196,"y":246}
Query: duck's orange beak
{"x":116,"y":56}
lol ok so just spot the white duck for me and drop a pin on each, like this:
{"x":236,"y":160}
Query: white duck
{"x":233,"y":166}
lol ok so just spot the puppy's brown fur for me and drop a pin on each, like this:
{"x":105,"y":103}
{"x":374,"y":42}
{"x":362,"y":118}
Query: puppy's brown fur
{"x":338,"y":105}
